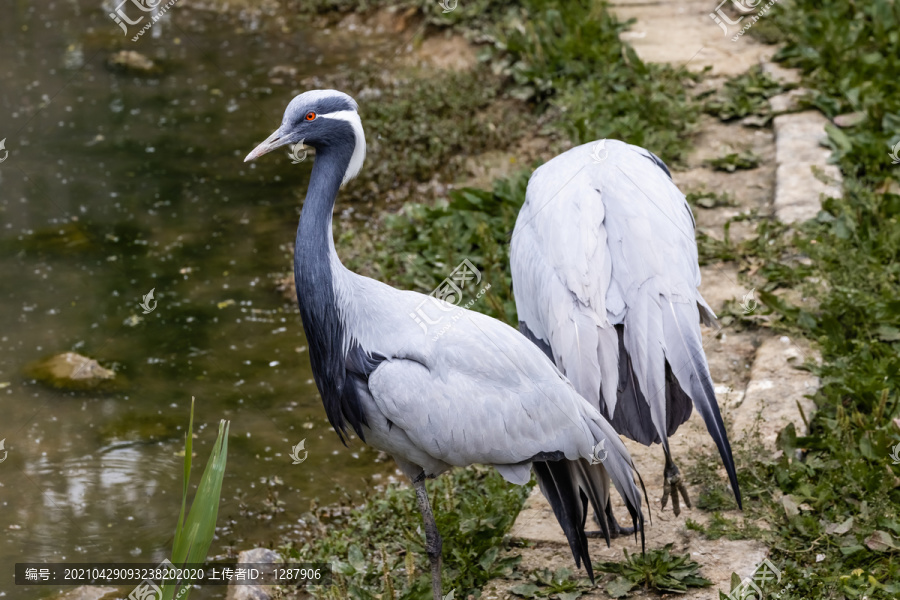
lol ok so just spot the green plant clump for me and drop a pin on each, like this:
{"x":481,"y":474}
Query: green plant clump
{"x":559,"y":584}
{"x":735,"y":161}
{"x":658,"y":570}
{"x":567,"y":54}
{"x":379,"y":548}
{"x":744,"y":95}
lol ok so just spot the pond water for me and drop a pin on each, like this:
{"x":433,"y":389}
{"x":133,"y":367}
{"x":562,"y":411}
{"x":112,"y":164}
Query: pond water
{"x":116,"y":183}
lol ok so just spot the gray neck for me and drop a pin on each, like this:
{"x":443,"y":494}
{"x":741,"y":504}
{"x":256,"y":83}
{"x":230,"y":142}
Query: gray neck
{"x":315,"y":267}
{"x":315,"y":241}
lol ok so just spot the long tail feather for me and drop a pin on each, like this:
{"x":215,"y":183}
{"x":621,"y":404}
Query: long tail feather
{"x":570,"y":485}
{"x":593,"y":481}
{"x":619,"y":467}
{"x":569,"y":505}
{"x":688,"y":362}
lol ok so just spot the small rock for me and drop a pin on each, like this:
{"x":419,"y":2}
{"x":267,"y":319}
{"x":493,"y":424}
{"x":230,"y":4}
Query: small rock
{"x":774,"y":391}
{"x":781,"y":74}
{"x":130,"y":60}
{"x":791,"y":508}
{"x":799,"y":156}
{"x":787,"y":102}
{"x":70,"y":371}
{"x":255,"y":556}
{"x":850,"y":119}
{"x":756,"y":121}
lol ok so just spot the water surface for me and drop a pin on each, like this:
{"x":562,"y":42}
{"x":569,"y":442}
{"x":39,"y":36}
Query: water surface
{"x":117,"y":183}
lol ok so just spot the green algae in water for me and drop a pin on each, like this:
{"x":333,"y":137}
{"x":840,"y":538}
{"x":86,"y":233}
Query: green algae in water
{"x":134,"y":427}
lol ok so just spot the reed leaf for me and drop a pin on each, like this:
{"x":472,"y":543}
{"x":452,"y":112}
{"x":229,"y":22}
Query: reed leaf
{"x":194,"y":535}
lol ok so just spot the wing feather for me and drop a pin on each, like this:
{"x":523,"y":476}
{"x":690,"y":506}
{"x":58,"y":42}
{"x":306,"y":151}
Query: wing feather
{"x":612,"y":244}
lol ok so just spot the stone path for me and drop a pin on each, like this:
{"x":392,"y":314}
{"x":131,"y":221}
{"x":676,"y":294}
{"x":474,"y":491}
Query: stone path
{"x":757,"y":384}
{"x":683,"y":33}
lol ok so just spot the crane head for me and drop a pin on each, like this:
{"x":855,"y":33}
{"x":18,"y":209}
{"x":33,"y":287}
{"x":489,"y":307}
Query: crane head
{"x":325,"y":120}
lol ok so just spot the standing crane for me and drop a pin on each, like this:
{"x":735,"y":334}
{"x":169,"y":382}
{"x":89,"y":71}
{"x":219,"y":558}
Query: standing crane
{"x":478,"y":393}
{"x":605,"y":277}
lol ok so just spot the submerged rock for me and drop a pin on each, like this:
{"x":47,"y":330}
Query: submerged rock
{"x":129,"y":60}
{"x":70,"y":371}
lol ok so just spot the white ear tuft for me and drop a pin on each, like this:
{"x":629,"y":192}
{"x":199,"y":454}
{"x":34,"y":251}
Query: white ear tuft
{"x":359,"y":151}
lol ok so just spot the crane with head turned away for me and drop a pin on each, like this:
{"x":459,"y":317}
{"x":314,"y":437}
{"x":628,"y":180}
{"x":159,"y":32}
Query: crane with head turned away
{"x":605,"y":277}
{"x":478,"y":393}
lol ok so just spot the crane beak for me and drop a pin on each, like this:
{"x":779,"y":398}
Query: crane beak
{"x":276,"y":140}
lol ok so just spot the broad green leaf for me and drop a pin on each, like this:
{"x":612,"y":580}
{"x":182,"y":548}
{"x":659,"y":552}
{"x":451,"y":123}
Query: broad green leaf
{"x":619,"y":587}
{"x":526,"y":590}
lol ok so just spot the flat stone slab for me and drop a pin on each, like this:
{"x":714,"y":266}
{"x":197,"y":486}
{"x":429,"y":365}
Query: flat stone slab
{"x":776,"y":388}
{"x":798,"y":150}
{"x":683,"y":33}
{"x":719,"y":284}
{"x":718,"y":558}
{"x":787,"y":102}
{"x":781,"y":74}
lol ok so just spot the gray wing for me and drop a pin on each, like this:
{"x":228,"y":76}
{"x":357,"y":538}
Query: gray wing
{"x":484,"y":394}
{"x":466,"y":389}
{"x":604,"y":263}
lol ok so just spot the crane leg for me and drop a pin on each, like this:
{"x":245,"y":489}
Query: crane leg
{"x":615,"y":530}
{"x":433,"y":542}
{"x":673,"y":485}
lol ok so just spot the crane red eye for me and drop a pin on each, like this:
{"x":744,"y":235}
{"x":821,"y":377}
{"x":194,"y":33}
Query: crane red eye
{"x":310,"y":116}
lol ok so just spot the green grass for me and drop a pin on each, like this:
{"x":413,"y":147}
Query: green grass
{"x":841,"y":541}
{"x":745,"y":95}
{"x":848,"y":51}
{"x":566,"y":56}
{"x":423,"y":244}
{"x":559,"y":584}
{"x":378,"y":549}
{"x":734,"y":161}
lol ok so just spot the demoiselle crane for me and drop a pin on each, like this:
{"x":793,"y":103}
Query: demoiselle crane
{"x":605,"y":277}
{"x":478,"y":393}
